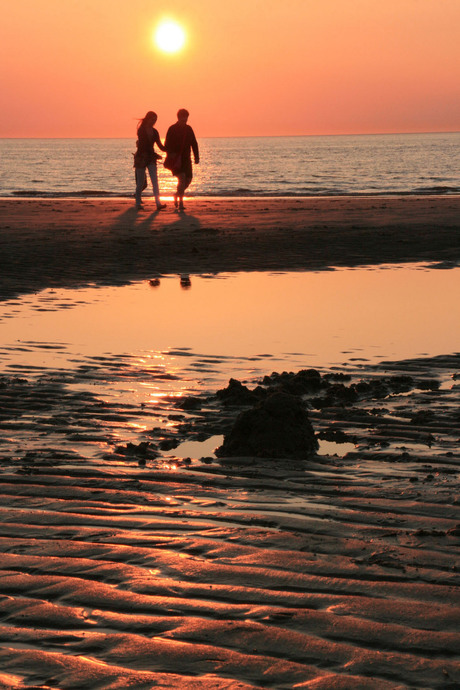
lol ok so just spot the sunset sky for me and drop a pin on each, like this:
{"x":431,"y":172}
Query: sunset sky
{"x":89,"y":68}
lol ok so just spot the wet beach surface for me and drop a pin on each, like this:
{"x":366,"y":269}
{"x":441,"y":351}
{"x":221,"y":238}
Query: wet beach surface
{"x":140,"y":566}
{"x":67,"y":243}
{"x":131,"y":558}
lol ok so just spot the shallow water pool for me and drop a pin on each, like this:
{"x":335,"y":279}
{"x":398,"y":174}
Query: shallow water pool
{"x":247,"y":321}
{"x":141,"y":347}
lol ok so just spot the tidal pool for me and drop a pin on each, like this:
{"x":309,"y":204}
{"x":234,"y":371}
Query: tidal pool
{"x":321,"y":318}
{"x":141,"y":346}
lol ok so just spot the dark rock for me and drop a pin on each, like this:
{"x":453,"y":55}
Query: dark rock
{"x":236,"y":394}
{"x":343,"y":394}
{"x":260,"y":392}
{"x":277,"y":427}
{"x":303,"y":382}
{"x":370,"y":389}
{"x":336,"y":435}
{"x":422,"y":417}
{"x":378,"y":411}
{"x":428,"y":384}
{"x":337,"y":395}
{"x":145,"y":449}
{"x":189,"y":403}
{"x":400,"y":384}
{"x":168,"y":444}
{"x":337,"y":376}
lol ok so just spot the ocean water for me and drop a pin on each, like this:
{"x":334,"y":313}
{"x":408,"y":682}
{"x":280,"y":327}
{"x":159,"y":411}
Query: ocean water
{"x":241,"y":166}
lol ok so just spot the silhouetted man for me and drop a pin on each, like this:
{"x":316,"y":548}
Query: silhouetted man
{"x":180,"y":139}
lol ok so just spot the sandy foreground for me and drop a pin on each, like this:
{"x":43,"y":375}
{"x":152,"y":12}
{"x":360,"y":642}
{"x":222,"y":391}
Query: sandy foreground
{"x":75,"y":242}
{"x":128,"y":568}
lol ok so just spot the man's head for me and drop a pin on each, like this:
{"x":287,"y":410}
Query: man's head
{"x":182,"y":115}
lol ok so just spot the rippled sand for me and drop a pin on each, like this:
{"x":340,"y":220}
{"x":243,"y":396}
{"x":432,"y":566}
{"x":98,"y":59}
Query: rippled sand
{"x":136,"y":571}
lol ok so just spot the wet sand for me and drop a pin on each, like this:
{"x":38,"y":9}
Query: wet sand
{"x":76,"y":242}
{"x":132,"y":569}
{"x":140,"y":570}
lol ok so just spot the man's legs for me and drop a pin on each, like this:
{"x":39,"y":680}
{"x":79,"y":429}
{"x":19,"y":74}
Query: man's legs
{"x":182,"y":183}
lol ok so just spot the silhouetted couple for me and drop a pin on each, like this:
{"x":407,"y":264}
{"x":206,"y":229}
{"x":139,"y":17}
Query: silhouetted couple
{"x":179,"y":143}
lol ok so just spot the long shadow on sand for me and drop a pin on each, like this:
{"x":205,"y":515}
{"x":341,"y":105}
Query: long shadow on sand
{"x":132,"y":218}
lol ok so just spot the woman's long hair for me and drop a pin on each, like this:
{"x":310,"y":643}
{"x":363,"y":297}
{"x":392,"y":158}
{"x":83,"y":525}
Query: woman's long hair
{"x":148,"y":116}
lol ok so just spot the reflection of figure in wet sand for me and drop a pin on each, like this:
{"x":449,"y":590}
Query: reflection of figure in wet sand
{"x":180,"y":139}
{"x":146,"y":158}
{"x":185,"y":281}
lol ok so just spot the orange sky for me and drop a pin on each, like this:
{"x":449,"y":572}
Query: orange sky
{"x":250,"y":67}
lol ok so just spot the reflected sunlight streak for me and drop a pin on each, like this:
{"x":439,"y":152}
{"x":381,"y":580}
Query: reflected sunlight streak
{"x":169,"y":466}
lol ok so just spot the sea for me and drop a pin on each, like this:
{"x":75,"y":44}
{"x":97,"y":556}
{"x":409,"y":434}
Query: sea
{"x":386,"y":164}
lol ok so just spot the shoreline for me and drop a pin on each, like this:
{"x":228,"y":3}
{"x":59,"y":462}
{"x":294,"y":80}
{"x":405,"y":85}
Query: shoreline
{"x":107,"y":196}
{"x":74,"y":242}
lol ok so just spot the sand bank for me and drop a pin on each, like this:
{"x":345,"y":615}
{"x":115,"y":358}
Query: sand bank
{"x":62,"y":242}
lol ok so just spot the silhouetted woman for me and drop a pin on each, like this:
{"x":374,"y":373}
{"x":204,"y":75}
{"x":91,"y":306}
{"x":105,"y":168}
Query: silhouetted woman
{"x":146,"y":157}
{"x":180,"y":139}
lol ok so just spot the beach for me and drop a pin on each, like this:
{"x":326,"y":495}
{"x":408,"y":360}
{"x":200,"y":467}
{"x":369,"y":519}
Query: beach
{"x":67,"y":243}
{"x":143,"y":570}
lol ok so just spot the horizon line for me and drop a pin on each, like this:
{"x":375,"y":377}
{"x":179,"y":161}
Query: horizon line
{"x":256,"y":136}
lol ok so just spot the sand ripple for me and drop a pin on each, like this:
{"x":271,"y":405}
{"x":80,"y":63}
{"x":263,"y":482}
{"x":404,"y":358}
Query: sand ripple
{"x":336,"y":573}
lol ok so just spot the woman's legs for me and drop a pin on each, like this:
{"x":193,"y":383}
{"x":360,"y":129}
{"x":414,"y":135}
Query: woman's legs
{"x":140,"y":184}
{"x":152,"y":168}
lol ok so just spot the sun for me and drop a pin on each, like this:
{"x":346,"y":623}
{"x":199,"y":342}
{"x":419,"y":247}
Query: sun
{"x":169,"y":36}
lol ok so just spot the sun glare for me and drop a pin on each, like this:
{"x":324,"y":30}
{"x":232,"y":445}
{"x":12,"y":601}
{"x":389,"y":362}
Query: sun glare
{"x":169,"y":37}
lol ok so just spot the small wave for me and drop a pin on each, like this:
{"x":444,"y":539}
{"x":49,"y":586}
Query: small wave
{"x":436,"y":189}
{"x":244,"y":192}
{"x":67,"y":195}
{"x":92,"y":192}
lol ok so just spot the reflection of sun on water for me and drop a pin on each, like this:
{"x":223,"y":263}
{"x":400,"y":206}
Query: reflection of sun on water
{"x":169,"y":37}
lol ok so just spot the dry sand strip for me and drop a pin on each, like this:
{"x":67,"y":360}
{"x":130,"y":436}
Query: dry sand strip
{"x":244,"y":573}
{"x":63,"y":242}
